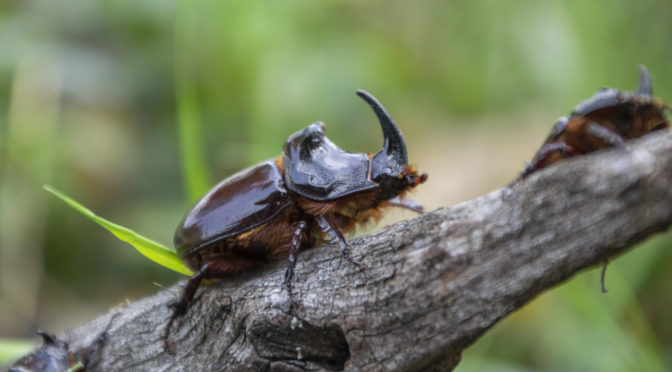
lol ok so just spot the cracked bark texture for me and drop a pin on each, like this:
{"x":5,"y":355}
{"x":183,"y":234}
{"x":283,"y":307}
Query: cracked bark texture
{"x":433,"y":284}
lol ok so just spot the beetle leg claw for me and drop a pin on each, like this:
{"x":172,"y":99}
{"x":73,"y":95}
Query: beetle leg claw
{"x":336,"y":235}
{"x":346,"y":255}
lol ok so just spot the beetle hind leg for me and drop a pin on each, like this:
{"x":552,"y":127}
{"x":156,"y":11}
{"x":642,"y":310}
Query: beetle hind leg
{"x":336,"y":235}
{"x":180,"y":306}
{"x":214,"y":269}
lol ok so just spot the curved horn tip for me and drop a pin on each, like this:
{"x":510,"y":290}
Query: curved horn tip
{"x":645,"y":81}
{"x":377,"y":107}
{"x":368,"y":97}
{"x":394,"y":141}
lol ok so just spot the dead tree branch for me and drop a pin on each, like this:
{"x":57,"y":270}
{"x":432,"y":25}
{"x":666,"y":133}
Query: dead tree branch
{"x":433,"y":285}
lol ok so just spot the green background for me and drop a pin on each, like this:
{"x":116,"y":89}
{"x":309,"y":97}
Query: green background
{"x":135,"y":108}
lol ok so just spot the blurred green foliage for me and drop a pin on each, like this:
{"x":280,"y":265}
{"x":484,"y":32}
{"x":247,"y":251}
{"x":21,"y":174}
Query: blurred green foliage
{"x":137,"y":107}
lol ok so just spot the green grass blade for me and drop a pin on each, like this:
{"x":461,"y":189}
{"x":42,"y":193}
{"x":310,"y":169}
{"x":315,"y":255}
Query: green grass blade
{"x":156,"y":252}
{"x":194,"y":168}
{"x":77,"y":367}
{"x":13,"y":349}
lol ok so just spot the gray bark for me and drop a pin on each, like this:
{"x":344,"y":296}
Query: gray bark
{"x":433,"y":284}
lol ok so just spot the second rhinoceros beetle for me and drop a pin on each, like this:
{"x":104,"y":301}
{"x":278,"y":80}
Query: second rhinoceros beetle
{"x":313,"y":192}
{"x":55,"y":354}
{"x":608,"y":118}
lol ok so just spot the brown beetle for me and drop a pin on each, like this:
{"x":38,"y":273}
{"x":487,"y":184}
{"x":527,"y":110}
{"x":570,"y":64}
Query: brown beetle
{"x":314,"y":192}
{"x":608,"y":118}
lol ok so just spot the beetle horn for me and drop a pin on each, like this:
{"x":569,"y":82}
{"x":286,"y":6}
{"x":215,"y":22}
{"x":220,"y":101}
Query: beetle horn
{"x":394,"y":148}
{"x":645,"y":81}
{"x":46,"y":337}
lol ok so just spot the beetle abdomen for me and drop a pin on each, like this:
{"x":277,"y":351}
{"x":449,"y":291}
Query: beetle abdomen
{"x":238,"y":204}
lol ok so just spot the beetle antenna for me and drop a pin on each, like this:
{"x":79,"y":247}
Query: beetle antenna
{"x":645,"y":81}
{"x":394,"y":141}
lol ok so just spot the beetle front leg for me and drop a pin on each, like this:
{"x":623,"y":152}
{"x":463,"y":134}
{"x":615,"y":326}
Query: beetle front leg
{"x":336,"y":235}
{"x":408,"y":204}
{"x":293,"y":253}
{"x":549,"y":148}
{"x":558,"y":129}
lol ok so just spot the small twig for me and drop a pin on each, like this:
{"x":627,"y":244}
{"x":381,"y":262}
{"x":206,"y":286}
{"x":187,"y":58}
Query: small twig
{"x":604,"y":271}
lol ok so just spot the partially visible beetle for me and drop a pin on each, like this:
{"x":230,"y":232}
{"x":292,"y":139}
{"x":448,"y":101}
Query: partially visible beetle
{"x":606,"y":119}
{"x":313,"y":192}
{"x":55,"y":355}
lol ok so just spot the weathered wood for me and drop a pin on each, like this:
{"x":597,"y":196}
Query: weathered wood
{"x":433,"y":285}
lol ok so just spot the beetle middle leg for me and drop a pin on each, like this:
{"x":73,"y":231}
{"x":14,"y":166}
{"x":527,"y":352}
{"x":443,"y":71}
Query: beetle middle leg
{"x":337,"y":235}
{"x":293,"y":253}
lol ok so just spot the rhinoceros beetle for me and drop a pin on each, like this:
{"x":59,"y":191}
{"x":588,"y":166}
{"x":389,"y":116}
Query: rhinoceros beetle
{"x":608,"y":118}
{"x":313,"y":192}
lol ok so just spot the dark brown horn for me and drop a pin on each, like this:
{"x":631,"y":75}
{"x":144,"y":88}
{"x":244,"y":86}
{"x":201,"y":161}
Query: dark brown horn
{"x":645,"y":81}
{"x":46,"y":337}
{"x":395,"y":146}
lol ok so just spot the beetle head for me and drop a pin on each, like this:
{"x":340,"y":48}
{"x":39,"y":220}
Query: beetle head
{"x":390,"y":165}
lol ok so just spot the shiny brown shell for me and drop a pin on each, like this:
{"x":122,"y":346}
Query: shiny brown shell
{"x":239,"y":203}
